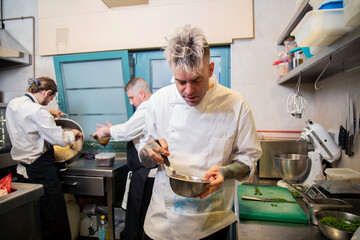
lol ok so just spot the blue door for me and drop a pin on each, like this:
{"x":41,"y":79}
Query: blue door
{"x":153,"y":67}
{"x":91,"y":88}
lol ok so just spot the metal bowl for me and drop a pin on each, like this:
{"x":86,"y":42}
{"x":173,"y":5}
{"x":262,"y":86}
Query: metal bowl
{"x":333,"y":233}
{"x":187,"y":186}
{"x":292,"y":167}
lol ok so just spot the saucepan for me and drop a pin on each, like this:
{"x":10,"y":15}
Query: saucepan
{"x":68,"y":154}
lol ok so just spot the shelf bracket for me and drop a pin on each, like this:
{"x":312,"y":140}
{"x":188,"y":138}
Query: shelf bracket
{"x":315,"y":84}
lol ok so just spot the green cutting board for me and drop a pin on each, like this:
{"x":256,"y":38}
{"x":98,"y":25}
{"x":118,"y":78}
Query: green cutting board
{"x":272,"y":211}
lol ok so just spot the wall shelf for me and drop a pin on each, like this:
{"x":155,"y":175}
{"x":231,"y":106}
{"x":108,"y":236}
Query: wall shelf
{"x":344,"y":54}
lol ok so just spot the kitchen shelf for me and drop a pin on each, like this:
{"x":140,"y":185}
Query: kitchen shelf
{"x":344,"y":54}
{"x":300,"y":13}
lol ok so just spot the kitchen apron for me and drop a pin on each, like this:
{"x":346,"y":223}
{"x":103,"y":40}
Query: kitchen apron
{"x":139,"y":195}
{"x":53,"y":213}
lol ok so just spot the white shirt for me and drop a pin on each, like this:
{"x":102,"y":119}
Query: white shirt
{"x":32,"y":130}
{"x":132,"y":129}
{"x":217,"y":132}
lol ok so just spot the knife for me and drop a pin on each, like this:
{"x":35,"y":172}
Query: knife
{"x":266,"y":199}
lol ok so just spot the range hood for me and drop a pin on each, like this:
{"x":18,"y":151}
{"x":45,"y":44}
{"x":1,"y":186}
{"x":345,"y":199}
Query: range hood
{"x":12,"y":54}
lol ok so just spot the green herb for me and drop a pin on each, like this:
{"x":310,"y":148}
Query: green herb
{"x":342,"y":224}
{"x":274,"y":205}
{"x":257,"y":191}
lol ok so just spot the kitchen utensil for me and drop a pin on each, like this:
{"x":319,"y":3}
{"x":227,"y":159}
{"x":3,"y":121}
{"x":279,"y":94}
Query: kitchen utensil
{"x":104,"y":159}
{"x":68,"y":154}
{"x":331,"y":232}
{"x":266,"y":199}
{"x":320,"y":204}
{"x":187,"y":186}
{"x":166,"y":161}
{"x":102,"y":141}
{"x":292,"y":167}
{"x":296,"y":103}
{"x":299,"y":191}
{"x":280,"y":212}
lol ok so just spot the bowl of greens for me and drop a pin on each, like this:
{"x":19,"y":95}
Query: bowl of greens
{"x":337,"y":225}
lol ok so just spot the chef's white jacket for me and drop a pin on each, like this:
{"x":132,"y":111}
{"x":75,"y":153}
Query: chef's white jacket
{"x":31,"y":129}
{"x":218,"y":131}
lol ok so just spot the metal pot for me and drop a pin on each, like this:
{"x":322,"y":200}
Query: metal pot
{"x":68,"y":154}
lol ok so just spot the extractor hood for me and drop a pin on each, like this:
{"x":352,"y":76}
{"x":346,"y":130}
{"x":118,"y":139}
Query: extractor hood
{"x":12,"y":54}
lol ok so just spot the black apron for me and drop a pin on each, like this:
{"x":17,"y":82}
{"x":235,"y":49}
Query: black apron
{"x":53,"y":213}
{"x":140,"y":191}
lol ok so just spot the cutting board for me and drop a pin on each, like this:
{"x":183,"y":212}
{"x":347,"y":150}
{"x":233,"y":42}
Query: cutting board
{"x":272,"y":211}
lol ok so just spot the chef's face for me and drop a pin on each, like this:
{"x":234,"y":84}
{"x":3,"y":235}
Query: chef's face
{"x":193,"y":87}
{"x":135,"y":99}
{"x":48,"y":97}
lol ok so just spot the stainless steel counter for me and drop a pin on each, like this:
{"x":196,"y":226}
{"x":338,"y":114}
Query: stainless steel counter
{"x":257,"y":229}
{"x":20,"y":212}
{"x":83,"y":177}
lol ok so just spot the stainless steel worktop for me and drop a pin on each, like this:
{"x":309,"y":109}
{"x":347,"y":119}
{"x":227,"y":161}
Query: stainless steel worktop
{"x":257,"y":229}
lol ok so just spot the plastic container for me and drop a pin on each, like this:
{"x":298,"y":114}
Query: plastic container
{"x":320,"y":28}
{"x":352,"y":13}
{"x":282,"y":67}
{"x":342,"y":174}
{"x":298,"y":57}
{"x":317,"y":3}
{"x":331,"y":5}
{"x":103,"y":228}
{"x":104,"y":159}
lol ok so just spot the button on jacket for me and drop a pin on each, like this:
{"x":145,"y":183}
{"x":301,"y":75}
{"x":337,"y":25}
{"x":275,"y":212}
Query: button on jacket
{"x":218,"y":131}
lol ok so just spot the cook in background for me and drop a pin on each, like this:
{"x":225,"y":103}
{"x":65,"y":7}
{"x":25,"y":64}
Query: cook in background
{"x":142,"y":178}
{"x":207,"y":130}
{"x":32,"y":132}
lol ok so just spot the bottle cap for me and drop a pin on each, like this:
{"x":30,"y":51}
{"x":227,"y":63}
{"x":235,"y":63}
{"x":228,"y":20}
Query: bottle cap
{"x":102,"y":216}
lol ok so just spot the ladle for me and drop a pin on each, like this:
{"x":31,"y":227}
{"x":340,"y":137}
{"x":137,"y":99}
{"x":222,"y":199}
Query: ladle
{"x":101,"y":141}
{"x":166,"y":161}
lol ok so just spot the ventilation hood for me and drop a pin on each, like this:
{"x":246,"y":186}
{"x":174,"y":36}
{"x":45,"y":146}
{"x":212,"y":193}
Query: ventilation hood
{"x":12,"y":54}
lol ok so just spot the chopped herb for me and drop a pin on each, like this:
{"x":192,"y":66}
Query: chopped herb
{"x":342,"y":224}
{"x":257,"y":191}
{"x":274,"y":205}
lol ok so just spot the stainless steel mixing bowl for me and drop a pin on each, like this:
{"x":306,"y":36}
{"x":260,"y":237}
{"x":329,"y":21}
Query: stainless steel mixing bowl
{"x":334,"y":233}
{"x":292,"y":167}
{"x":187,"y":186}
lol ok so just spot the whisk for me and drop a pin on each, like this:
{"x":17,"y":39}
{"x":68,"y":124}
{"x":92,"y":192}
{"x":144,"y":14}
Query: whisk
{"x":296,"y":103}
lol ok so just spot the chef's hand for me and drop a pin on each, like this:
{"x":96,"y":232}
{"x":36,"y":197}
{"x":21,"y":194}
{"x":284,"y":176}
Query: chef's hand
{"x":56,"y":113}
{"x":216,"y":181}
{"x":150,"y":152}
{"x":103,"y":131}
{"x":77,"y":134}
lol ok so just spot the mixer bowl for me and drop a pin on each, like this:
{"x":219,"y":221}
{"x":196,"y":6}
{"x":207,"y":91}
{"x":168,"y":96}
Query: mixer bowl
{"x":187,"y":186}
{"x":292,"y":167}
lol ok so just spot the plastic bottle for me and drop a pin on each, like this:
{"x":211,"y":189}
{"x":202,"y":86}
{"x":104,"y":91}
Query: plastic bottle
{"x":103,"y":229}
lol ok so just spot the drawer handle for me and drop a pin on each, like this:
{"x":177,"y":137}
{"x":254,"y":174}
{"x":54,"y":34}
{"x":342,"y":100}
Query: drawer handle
{"x":71,"y":184}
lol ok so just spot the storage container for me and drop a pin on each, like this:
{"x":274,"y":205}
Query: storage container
{"x":331,"y":5}
{"x":104,"y":159}
{"x":342,"y":174}
{"x":317,"y":3}
{"x":320,"y":28}
{"x":352,"y":13}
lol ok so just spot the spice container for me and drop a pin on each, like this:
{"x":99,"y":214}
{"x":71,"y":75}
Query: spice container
{"x":297,"y":58}
{"x":282,"y":67}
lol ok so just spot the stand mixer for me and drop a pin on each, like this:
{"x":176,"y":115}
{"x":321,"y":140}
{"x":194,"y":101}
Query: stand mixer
{"x":324,"y":148}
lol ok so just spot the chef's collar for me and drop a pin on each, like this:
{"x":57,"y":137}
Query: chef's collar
{"x":32,"y":97}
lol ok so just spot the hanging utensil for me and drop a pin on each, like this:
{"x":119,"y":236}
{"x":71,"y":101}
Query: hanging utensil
{"x":296,"y":103}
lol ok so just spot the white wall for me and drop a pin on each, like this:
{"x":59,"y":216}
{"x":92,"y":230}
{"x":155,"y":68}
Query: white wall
{"x":252,"y":73}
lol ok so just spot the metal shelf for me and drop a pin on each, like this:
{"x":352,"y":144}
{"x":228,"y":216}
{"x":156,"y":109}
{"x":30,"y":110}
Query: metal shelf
{"x":302,"y":10}
{"x":344,"y":55}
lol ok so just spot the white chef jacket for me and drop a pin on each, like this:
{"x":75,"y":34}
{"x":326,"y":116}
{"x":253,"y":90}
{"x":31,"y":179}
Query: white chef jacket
{"x":132,"y":129}
{"x":32,"y":130}
{"x":217,"y":132}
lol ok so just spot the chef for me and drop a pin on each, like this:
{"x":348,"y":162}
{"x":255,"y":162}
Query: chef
{"x":207,"y":130}
{"x":32,"y":132}
{"x":142,"y":178}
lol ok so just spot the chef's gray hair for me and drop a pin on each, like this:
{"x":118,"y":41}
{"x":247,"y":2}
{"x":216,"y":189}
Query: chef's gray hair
{"x":41,"y":83}
{"x":187,"y":50}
